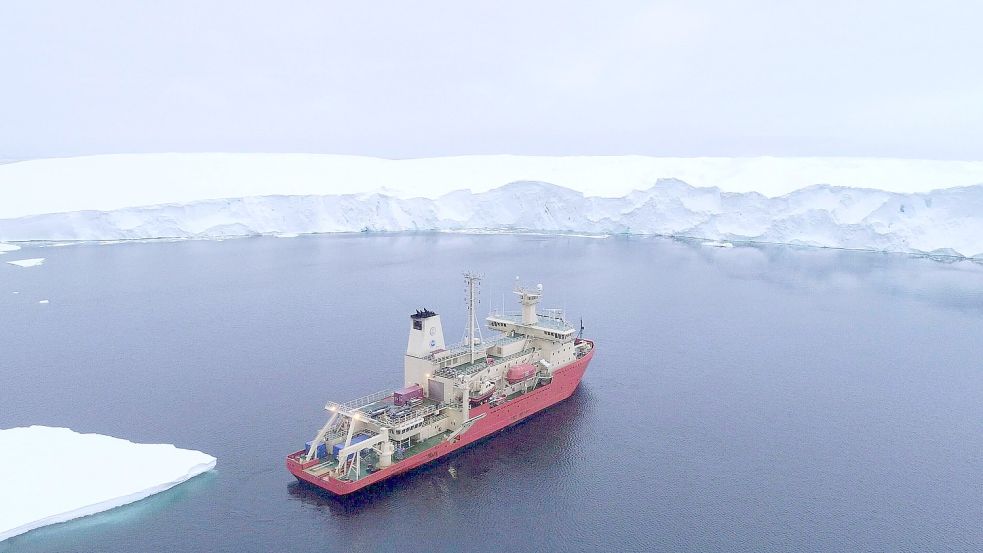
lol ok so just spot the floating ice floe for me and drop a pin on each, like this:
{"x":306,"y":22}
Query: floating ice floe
{"x":43,"y":301}
{"x":718,"y":244}
{"x":34,"y":262}
{"x":51,"y":475}
{"x":4,"y":248}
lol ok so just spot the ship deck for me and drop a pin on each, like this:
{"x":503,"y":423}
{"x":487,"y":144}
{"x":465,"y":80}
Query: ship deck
{"x":461,"y":349}
{"x":420,"y":447}
{"x":479,"y":364}
{"x":323,"y":468}
{"x":543,"y":320}
{"x":424,"y":408}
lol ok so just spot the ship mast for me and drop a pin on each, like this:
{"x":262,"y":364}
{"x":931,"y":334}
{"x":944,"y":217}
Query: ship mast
{"x":473,"y":281}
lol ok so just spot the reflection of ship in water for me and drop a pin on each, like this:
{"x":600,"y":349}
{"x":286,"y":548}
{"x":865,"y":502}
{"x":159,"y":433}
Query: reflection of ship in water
{"x":535,"y":436}
{"x":451,"y":396}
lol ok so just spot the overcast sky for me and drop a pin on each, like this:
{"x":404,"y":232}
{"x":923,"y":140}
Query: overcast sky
{"x":409,"y":79}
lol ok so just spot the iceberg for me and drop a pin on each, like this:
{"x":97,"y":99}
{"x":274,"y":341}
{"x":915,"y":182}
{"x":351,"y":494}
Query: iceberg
{"x":913,"y":206}
{"x":106,"y":472}
{"x":34,"y":262}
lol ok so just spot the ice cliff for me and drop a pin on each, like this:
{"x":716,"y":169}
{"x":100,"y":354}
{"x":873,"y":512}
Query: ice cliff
{"x":942,"y":221}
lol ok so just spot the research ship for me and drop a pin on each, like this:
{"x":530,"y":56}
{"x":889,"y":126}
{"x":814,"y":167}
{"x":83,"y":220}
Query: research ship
{"x":451,"y":396}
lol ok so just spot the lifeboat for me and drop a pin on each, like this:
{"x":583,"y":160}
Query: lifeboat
{"x":518,"y":373}
{"x":486,"y":391}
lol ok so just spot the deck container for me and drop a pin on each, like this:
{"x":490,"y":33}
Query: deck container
{"x":401,"y":397}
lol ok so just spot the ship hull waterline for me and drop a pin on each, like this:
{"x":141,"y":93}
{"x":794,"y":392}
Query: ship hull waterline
{"x":565,"y":381}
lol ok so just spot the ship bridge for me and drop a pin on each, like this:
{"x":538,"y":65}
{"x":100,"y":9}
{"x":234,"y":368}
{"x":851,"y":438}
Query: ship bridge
{"x":549,"y":325}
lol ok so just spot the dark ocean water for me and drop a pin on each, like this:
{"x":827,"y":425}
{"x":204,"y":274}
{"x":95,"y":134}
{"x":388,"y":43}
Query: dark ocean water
{"x":745,"y":399}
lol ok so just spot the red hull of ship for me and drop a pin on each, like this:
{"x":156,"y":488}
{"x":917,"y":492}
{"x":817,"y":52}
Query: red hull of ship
{"x":565,"y":381}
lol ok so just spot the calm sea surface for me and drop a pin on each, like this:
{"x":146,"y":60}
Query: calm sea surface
{"x":745,"y":399}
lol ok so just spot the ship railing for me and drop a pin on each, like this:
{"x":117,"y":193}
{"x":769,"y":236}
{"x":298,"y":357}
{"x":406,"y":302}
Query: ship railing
{"x":505,"y":314}
{"x":478,"y":365}
{"x":582,"y":349}
{"x":418,"y":412}
{"x":434,"y":417}
{"x":415,"y":427}
{"x":549,"y":313}
{"x":551,"y":318}
{"x":427,"y":420}
{"x":335,"y":433}
{"x":450,"y":352}
{"x":359,"y":402}
{"x":554,"y":313}
{"x":461,"y":349}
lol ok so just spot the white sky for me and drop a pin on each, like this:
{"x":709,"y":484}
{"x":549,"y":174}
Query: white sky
{"x":409,"y":79}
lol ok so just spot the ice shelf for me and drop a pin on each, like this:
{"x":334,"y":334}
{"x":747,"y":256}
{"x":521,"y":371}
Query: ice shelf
{"x":915,"y":206}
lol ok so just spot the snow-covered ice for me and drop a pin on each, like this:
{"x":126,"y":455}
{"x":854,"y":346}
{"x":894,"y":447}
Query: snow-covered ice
{"x":4,"y":248}
{"x":946,"y":221}
{"x":33,"y":262}
{"x":109,"y":182}
{"x":44,"y":301}
{"x":933,"y":207}
{"x":51,"y":475}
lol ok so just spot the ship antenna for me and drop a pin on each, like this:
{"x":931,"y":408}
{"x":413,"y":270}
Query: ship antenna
{"x":472,"y":280}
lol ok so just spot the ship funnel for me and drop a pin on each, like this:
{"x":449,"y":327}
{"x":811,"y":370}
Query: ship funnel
{"x":426,"y":333}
